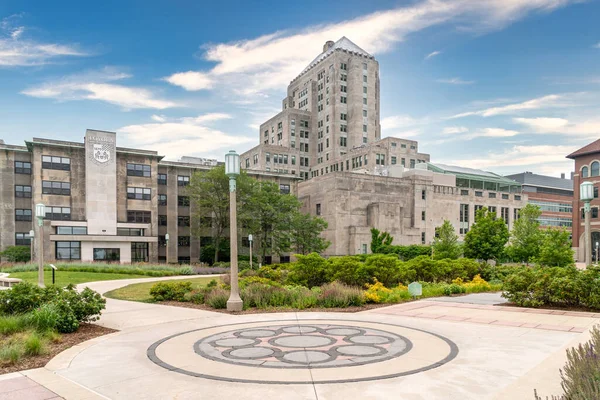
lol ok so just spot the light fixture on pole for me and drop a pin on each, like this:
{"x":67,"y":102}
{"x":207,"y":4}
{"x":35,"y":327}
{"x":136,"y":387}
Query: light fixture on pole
{"x":250,"y":241}
{"x":31,"y":244}
{"x":40,"y":214}
{"x":232,"y":170}
{"x":597,"y":252}
{"x":586,"y":194}
{"x":167,"y":245}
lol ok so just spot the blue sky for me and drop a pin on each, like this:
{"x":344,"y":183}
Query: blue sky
{"x":503,"y":85}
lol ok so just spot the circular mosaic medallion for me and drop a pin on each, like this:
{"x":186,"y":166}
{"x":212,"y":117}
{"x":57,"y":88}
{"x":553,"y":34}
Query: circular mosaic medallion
{"x":342,"y":350}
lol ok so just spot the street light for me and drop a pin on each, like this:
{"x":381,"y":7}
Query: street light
{"x":597,"y":252}
{"x":31,"y":244}
{"x":586,"y":194}
{"x":167,"y":244}
{"x":250,"y":241}
{"x":232,"y":170}
{"x":40,"y":213}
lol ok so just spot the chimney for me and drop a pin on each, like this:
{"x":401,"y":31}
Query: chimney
{"x":572,"y":175}
{"x":562,"y":175}
{"x":328,"y":44}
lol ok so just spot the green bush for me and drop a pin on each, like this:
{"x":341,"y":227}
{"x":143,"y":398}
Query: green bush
{"x":195,"y":296}
{"x":339,"y":295}
{"x":16,"y":253}
{"x":44,"y":318}
{"x":217,"y":298}
{"x":10,"y":324}
{"x":21,"y":299}
{"x":166,"y":291}
{"x":310,"y":270}
{"x":347,"y":270}
{"x":11,"y":353}
{"x":454,"y":289}
{"x":406,"y":253}
{"x":383,"y":268}
{"x":34,"y":345}
{"x":67,"y":321}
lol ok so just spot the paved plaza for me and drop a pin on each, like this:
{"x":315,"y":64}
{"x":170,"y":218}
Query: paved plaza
{"x":463,"y":347}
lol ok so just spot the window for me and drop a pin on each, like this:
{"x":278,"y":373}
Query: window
{"x":53,"y":187}
{"x":343,"y":66}
{"x":478,"y":194}
{"x":344,"y":117}
{"x":22,"y":191}
{"x":183,"y":221}
{"x":364,"y":100}
{"x":552,"y":206}
{"x":162,"y":199}
{"x":343,"y":88}
{"x":393,"y":160}
{"x":365,"y":115}
{"x":138,"y":170}
{"x":422,"y":215}
{"x":595,"y":169}
{"x":364,"y":66}
{"x":517,"y":197}
{"x":141,"y":217}
{"x":183,"y":201}
{"x":343,"y":100}
{"x":22,"y":239}
{"x":162,"y":179}
{"x":364,"y":128}
{"x":162,"y":220}
{"x":343,"y":77}
{"x":413,"y":147}
{"x":68,"y":250}
{"x":412,"y":163}
{"x":595,"y":192}
{"x":183,"y":260}
{"x":464,"y":219}
{"x":318,"y":209}
{"x":139,"y":252}
{"x":403,"y":162}
{"x":135,"y":193}
{"x":268,"y":156}
{"x":107,"y":254}
{"x":555,"y":221}
{"x":61,"y":163}
{"x":284,"y":189}
{"x":58,"y":213}
{"x":584,"y":172}
{"x":343,"y":141}
{"x":22,"y":167}
{"x":594,"y":212}
{"x":422,"y":237}
{"x":183,"y":180}
{"x":423,"y":194}
{"x":504,"y":196}
{"x":504,"y":213}
{"x":464,"y":192}
{"x":130,"y":232}
{"x":23,"y":214}
{"x":293,"y":160}
{"x":516,"y":214}
{"x":183,"y":241}
{"x":492,"y":195}
{"x":71,"y":230}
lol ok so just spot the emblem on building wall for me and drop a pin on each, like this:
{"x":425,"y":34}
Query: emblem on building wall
{"x":101,"y":153}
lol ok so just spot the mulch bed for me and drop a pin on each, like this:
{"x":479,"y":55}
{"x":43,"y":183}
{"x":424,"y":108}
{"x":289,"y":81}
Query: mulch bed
{"x":85,"y":332}
{"x":272,"y":310}
{"x":555,"y":308}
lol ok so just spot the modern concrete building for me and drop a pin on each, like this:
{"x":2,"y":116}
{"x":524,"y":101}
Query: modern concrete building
{"x":330,"y":120}
{"x":103,"y":202}
{"x":553,"y":195}
{"x":407,"y":203}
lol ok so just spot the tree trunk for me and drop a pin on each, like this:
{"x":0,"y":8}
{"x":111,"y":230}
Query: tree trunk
{"x":217,"y":242}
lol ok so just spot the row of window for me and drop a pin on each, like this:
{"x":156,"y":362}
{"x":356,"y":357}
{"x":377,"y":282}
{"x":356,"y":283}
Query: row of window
{"x":72,"y":251}
{"x":556,"y":207}
{"x":491,"y":195}
{"x":592,"y":170}
{"x":464,"y":215}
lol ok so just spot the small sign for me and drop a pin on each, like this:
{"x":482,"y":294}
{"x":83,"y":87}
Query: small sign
{"x":415,"y":289}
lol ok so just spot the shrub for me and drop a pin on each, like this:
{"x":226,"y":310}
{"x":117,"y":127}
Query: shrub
{"x":34,"y":345}
{"x":339,"y":295}
{"x":11,"y":353}
{"x":217,"y":298}
{"x":383,"y":268}
{"x":347,"y":270}
{"x":21,"y":299}
{"x":256,"y":279}
{"x":376,"y":293}
{"x":272,"y":272}
{"x":165,"y":291}
{"x":454,"y":288}
{"x":406,"y":253}
{"x":44,"y":318}
{"x":195,"y":296}
{"x":10,"y":324}
{"x":16,"y":253}
{"x":67,"y":321}
{"x":477,"y":285}
{"x":310,"y":270}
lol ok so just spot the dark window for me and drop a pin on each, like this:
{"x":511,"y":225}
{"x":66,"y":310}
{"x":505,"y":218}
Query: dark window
{"x":68,"y":250}
{"x":284,"y":259}
{"x":492,"y":195}
{"x":183,"y":180}
{"x":595,"y":212}
{"x":595,"y":169}
{"x":504,"y":213}
{"x":504,"y":197}
{"x":162,"y":241}
{"x":318,"y":209}
{"x":138,"y":170}
{"x":162,"y":220}
{"x":183,"y":241}
{"x":61,"y":163}
{"x":71,"y":230}
{"x":582,"y":213}
{"x":183,"y":221}
{"x":595,"y":192}
{"x":183,"y":260}
{"x":464,"y":192}
{"x":517,"y":197}
{"x":162,"y":179}
{"x":22,"y":239}
{"x":107,"y":254}
{"x":422,"y":237}
{"x":516,"y":214}
{"x":139,"y":252}
{"x":162,"y":199}
{"x":422,"y":215}
{"x":142,"y":217}
{"x":183,"y":201}
{"x":22,"y":167}
{"x":58,"y":213}
{"x":423,"y":194}
{"x":54,"y":187}
{"x":478,"y":194}
{"x":23,"y":214}
{"x":22,"y":191}
{"x":284,"y":189}
{"x":130,"y":232}
{"x":135,"y":193}
{"x":584,"y":172}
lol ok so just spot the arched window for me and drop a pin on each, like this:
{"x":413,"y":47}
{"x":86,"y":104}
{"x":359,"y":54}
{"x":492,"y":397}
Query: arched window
{"x":595,"y":169}
{"x":584,"y":172}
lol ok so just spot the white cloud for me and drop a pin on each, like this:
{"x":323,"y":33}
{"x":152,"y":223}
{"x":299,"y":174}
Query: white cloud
{"x":597,"y":45}
{"x":451,"y":130}
{"x":185,"y":136}
{"x":158,"y":118}
{"x":553,"y":100}
{"x":17,"y":51}
{"x":544,"y":125}
{"x":463,"y":133}
{"x":397,"y":121}
{"x":432,"y":54}
{"x":271,"y":61}
{"x":455,"y":81}
{"x":95,"y":85}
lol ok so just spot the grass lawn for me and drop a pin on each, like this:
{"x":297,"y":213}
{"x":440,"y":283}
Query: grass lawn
{"x":141,"y":291}
{"x":63,"y":278}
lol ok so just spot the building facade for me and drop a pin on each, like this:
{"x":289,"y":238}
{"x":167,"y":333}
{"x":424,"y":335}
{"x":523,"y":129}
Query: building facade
{"x":554,"y":197}
{"x":103,"y":202}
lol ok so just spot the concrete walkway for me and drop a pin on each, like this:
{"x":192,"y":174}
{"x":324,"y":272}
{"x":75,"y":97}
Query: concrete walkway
{"x":421,"y":350}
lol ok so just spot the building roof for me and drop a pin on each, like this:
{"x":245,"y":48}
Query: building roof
{"x":530,"y":179}
{"x":343,"y":44}
{"x":469,"y":173}
{"x":593,"y":147}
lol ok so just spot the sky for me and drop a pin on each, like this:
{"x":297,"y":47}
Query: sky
{"x":502,"y":85}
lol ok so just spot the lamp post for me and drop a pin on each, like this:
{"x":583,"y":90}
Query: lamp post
{"x":586,"y":194}
{"x":167,"y":245}
{"x":250,"y":241}
{"x":597,"y":252}
{"x":40,"y":213}
{"x":232,"y":170}
{"x":31,"y":244}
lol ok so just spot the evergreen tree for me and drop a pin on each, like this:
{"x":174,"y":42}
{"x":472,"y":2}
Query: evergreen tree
{"x":379,"y":239}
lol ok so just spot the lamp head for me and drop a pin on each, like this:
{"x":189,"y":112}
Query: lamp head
{"x":40,"y":211}
{"x":586,"y":191}
{"x":232,"y":164}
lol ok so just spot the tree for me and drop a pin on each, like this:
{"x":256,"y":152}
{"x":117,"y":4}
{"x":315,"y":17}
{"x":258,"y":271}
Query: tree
{"x":446,"y":245}
{"x":16,"y":253}
{"x":555,"y":248}
{"x":209,"y":199}
{"x":526,"y":236}
{"x":379,"y":239}
{"x":487,"y":237}
{"x":306,"y":234}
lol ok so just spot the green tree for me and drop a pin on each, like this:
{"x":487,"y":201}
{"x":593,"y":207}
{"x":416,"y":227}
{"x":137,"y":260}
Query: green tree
{"x":555,"y":248}
{"x":487,"y":237}
{"x":306,"y":233}
{"x":379,"y":239}
{"x":446,"y":245}
{"x":16,"y":253}
{"x":525,"y":237}
{"x":209,"y":199}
